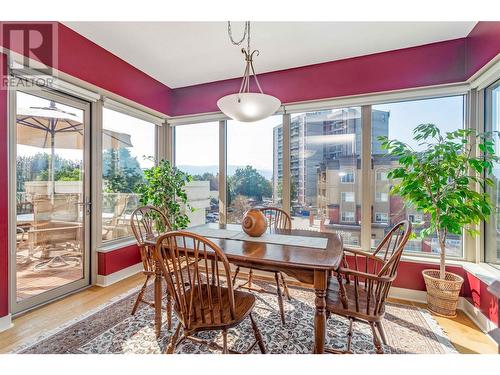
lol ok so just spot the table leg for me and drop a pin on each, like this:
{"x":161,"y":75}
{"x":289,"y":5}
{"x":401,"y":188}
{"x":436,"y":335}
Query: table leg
{"x":158,"y":295}
{"x":320,"y":285}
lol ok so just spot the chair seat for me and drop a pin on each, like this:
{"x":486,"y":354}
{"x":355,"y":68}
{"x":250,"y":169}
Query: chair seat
{"x":217,"y":318}
{"x":335,"y":306}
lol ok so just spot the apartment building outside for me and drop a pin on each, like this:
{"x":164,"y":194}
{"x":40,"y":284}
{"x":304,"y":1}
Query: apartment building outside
{"x":325,"y":168}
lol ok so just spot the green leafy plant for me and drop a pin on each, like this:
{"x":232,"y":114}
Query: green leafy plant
{"x":164,"y":188}
{"x":445,"y":180}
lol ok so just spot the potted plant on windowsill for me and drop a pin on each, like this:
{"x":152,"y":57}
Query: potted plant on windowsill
{"x":445,"y":179}
{"x":165,"y":189}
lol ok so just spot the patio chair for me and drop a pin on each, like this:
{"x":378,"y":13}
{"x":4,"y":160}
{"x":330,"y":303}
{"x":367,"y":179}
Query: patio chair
{"x":116,"y":226}
{"x":277,"y":219}
{"x":56,"y":229}
{"x":23,"y":251}
{"x":360,"y":291}
{"x":203,"y":301}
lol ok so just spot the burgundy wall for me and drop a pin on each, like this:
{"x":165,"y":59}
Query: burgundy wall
{"x":431,"y":64}
{"x":483,"y":44}
{"x":4,"y":207}
{"x":117,"y":260}
{"x":83,"y":59}
{"x":474,"y":290}
{"x":481,"y":298}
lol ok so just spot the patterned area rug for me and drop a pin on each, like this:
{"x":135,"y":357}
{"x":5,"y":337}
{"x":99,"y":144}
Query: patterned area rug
{"x":111,"y":329}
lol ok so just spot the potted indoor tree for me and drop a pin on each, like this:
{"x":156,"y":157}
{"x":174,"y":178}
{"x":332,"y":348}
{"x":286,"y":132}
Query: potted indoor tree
{"x":445,"y":179}
{"x":165,"y":188}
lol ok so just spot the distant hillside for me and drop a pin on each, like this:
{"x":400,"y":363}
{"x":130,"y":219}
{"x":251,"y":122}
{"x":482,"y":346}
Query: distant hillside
{"x":214,"y":169}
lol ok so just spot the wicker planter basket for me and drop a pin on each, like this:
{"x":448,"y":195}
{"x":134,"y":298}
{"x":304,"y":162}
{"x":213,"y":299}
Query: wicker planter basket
{"x":442,"y":295}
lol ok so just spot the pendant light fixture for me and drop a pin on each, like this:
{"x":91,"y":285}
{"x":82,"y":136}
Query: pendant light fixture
{"x":246,"y":106}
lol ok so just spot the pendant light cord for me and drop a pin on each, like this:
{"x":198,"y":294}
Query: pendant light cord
{"x":245,"y":32}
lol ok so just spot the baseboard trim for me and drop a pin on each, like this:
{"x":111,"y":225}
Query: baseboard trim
{"x":114,"y":277}
{"x":481,"y":320}
{"x":5,"y":322}
{"x":408,"y":294}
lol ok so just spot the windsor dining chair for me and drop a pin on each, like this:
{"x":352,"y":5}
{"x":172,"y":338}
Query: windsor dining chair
{"x":360,"y":290}
{"x":148,"y":223}
{"x":202,"y":300}
{"x":276,"y":219}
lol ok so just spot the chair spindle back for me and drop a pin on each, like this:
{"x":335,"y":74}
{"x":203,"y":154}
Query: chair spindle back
{"x":148,"y":223}
{"x":379,"y":270}
{"x":201,"y":295}
{"x":277,"y":218}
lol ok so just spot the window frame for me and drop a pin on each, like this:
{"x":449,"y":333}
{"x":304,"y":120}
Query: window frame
{"x":97,"y":198}
{"x":347,"y":172}
{"x":380,"y":221}
{"x":344,"y":193}
{"x":415,"y":215}
{"x":484,"y":246}
{"x":342,"y":217}
{"x":380,"y":200}
{"x":379,"y":172}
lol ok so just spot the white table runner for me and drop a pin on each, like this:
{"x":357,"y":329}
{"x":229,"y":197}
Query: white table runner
{"x":214,"y":233}
{"x":278,"y":239}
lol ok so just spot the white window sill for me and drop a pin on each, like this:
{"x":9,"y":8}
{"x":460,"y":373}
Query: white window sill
{"x":483,"y":271}
{"x":116,"y":245}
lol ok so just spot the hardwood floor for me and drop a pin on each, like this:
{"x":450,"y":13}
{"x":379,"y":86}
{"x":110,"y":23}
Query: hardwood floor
{"x":465,"y":336}
{"x":462,"y":332}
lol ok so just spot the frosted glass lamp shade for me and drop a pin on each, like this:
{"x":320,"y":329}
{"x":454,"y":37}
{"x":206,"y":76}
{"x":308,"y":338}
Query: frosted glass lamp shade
{"x":248,"y":106}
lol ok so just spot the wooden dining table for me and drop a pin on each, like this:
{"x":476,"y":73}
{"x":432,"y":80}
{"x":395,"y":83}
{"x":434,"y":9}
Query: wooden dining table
{"x":309,"y":265}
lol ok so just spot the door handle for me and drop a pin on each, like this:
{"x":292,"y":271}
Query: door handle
{"x":87,"y":205}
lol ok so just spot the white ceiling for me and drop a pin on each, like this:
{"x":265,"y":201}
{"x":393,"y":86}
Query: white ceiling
{"x":187,"y":53}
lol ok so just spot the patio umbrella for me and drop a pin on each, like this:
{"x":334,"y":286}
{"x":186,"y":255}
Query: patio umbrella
{"x":52,"y":127}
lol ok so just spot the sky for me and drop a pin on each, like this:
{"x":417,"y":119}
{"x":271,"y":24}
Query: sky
{"x":447,"y":113}
{"x":247,"y":143}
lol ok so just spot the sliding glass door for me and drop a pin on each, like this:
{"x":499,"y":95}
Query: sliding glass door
{"x":51,"y":207}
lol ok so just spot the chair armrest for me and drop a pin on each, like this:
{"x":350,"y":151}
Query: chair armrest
{"x":360,"y":253}
{"x":350,"y":272}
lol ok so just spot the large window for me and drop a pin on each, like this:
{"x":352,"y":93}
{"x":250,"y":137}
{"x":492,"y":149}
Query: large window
{"x":325,"y":169}
{"x":325,"y":176}
{"x":397,"y":121}
{"x":492,"y":245}
{"x":128,"y":147}
{"x":197,"y":153}
{"x":254,"y":165}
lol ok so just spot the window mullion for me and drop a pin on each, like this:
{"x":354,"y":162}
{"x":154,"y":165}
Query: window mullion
{"x":365,"y":187}
{"x":223,"y":172}
{"x":170,"y":142}
{"x":286,"y":181}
